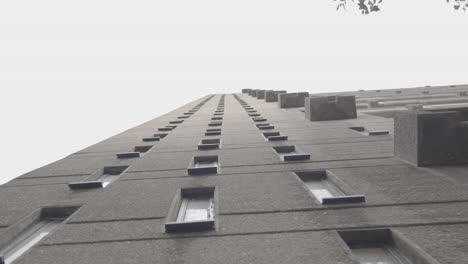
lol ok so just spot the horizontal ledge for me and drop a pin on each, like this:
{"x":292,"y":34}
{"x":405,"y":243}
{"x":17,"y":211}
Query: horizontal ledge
{"x":294,"y":157}
{"x":85,"y":185}
{"x":344,"y":199}
{"x":194,"y":226}
{"x":127,"y":155}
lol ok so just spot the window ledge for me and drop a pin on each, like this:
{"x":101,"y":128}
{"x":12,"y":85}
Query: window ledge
{"x":194,"y":226}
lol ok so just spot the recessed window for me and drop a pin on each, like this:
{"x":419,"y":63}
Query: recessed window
{"x":216,"y":123}
{"x":192,"y":210}
{"x":377,"y":246}
{"x":104,"y":178}
{"x":218,"y":114}
{"x":166,"y":128}
{"x":291,"y":153}
{"x":193,"y":110}
{"x":367,"y":132}
{"x":254,"y":114}
{"x":274,"y":136}
{"x":213,"y":132}
{"x":259,"y":119}
{"x":31,"y":230}
{"x":188,"y":113}
{"x":161,"y":135}
{"x":183,"y":117}
{"x":210,"y":143}
{"x":265,"y":126}
{"x":150,"y":139}
{"x":136,"y":152}
{"x":217,"y":118}
{"x":176,"y":122}
{"x":251,"y":111}
{"x":322,"y":187}
{"x":203,"y":165}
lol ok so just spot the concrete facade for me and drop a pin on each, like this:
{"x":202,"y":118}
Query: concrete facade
{"x":263,"y":212}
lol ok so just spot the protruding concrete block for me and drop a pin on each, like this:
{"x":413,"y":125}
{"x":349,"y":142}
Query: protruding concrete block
{"x":289,"y":100}
{"x":429,"y":138}
{"x":272,"y":96}
{"x":261,"y":94}
{"x":330,"y":108}
{"x":254,"y":93}
{"x":246,"y":90}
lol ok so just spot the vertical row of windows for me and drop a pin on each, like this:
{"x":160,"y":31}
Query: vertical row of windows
{"x":193,"y":209}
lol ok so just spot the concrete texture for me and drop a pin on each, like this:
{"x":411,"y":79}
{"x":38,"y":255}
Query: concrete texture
{"x":330,"y":108}
{"x":263,"y":212}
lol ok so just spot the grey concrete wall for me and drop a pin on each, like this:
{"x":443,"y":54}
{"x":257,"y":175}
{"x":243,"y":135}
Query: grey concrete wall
{"x":264,"y":213}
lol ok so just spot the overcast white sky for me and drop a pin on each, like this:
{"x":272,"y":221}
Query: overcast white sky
{"x":68,"y":68}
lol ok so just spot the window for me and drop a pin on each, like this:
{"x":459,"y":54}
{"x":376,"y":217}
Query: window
{"x":377,"y":246}
{"x":166,"y":128}
{"x":38,"y":226}
{"x":211,"y":143}
{"x":217,"y":118}
{"x":366,"y":132}
{"x":193,"y":209}
{"x":254,"y":114}
{"x":218,"y":114}
{"x":274,"y":136}
{"x":188,"y":113}
{"x":194,"y":110}
{"x":251,"y":111}
{"x":216,"y":123}
{"x":320,"y":185}
{"x":161,"y":135}
{"x":264,"y":126}
{"x":259,"y":119}
{"x":203,"y":165}
{"x":213,"y":132}
{"x":176,"y":122}
{"x":135,"y":153}
{"x":104,"y":178}
{"x":150,"y":139}
{"x":291,"y":153}
{"x":183,"y":117}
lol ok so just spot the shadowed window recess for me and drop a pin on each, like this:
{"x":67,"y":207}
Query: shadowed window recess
{"x":383,"y":246}
{"x":102,"y":178}
{"x":321,"y":185}
{"x":193,"y":209}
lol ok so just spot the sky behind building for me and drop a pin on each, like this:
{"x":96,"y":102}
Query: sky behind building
{"x":74,"y":73}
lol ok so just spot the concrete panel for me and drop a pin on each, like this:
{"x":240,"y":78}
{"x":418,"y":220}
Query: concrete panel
{"x":322,"y":247}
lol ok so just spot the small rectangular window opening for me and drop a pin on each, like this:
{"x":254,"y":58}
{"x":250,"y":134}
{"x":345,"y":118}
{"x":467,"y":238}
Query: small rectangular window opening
{"x":211,"y":143}
{"x":106,"y":177}
{"x":375,"y":246}
{"x":176,"y":122}
{"x":216,"y":123}
{"x":161,"y":135}
{"x":291,"y":153}
{"x":194,"y":211}
{"x":259,"y":119}
{"x":136,"y":152}
{"x":324,"y":190}
{"x":166,"y":128}
{"x":203,"y":165}
{"x":274,"y":136}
